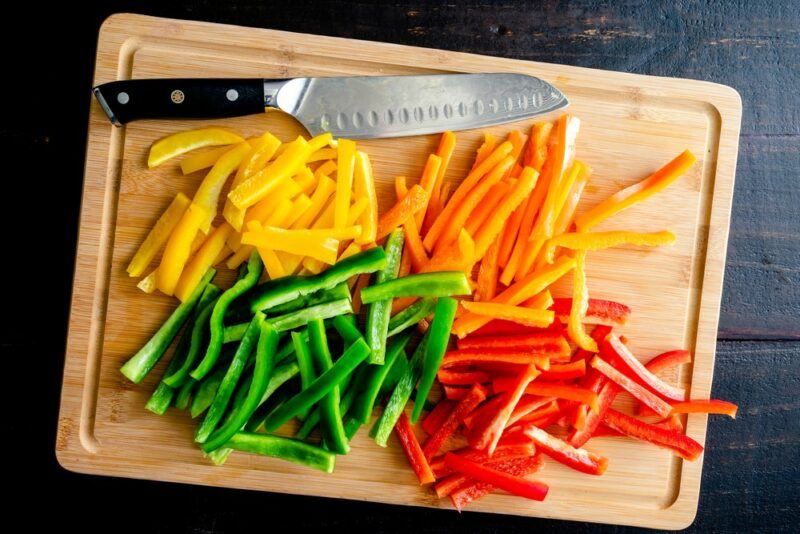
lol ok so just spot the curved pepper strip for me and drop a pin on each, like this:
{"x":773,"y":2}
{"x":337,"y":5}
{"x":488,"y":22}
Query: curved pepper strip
{"x":202,"y":260}
{"x":180,"y":143}
{"x":207,"y":195}
{"x":414,"y":201}
{"x":331,"y":415}
{"x":216,"y":323}
{"x":410,"y":316}
{"x":345,"y":164}
{"x":204,"y":160}
{"x":362,"y":410}
{"x":158,"y":235}
{"x":580,"y":303}
{"x":601,"y":240}
{"x":285,"y":449}
{"x":178,"y":248}
{"x":613,"y":349}
{"x":260,"y":153}
{"x":474,"y":490}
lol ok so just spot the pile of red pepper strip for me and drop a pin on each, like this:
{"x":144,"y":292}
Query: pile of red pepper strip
{"x":512,"y":390}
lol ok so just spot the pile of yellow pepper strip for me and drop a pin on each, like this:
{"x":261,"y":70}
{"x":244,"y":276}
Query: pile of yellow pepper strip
{"x":303,"y":205}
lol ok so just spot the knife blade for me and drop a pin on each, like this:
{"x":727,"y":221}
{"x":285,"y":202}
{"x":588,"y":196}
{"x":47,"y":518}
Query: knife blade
{"x":356,"y":107}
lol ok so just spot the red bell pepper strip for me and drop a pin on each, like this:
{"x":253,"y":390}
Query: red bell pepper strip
{"x":641,"y":393}
{"x":481,"y":415}
{"x":613,"y":348}
{"x":667,"y":360}
{"x":564,"y":371}
{"x":500,"y":327}
{"x":455,"y":393}
{"x":670,"y":423}
{"x":527,"y":405}
{"x":455,"y":480}
{"x":438,"y":415}
{"x":608,"y":392}
{"x":592,"y":380}
{"x":462,"y":378}
{"x":413,"y":451}
{"x":471,"y":400}
{"x":475,"y":490}
{"x":546,"y":341}
{"x":507,"y":356}
{"x":529,"y":489}
{"x":546,"y":389}
{"x":561,"y":451}
{"x":713,"y":406}
{"x":490,"y":433}
{"x":506,"y":450}
{"x":680,"y":444}
{"x":601,"y":312}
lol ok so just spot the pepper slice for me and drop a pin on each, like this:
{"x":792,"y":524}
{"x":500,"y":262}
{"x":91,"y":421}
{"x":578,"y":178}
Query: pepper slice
{"x":561,"y":451}
{"x":413,"y":202}
{"x":516,"y":485}
{"x":204,"y":259}
{"x":602,"y":312}
{"x":709,"y":406}
{"x":614,"y":350}
{"x":411,"y":316}
{"x":284,"y":448}
{"x":377,"y":326}
{"x":473,"y":490}
{"x":378,"y":374}
{"x":136,"y":368}
{"x":475,"y":396}
{"x":643,"y":395}
{"x":680,"y":444}
{"x":345,"y":325}
{"x":549,"y":342}
{"x":299,"y":318}
{"x":364,"y":187}
{"x":413,"y":451}
{"x":668,"y":359}
{"x":439,"y":284}
{"x":580,"y":303}
{"x":462,"y":378}
{"x":506,"y":450}
{"x":329,"y":405}
{"x":507,"y":356}
{"x":438,"y":415}
{"x":601,"y":240}
{"x":519,"y":314}
{"x":158,"y":235}
{"x":182,"y":142}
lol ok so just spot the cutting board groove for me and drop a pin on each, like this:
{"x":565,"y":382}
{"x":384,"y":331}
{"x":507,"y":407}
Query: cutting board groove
{"x":631,"y":125}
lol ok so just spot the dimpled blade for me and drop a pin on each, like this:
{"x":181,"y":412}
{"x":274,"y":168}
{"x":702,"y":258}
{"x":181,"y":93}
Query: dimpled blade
{"x":396,"y":106}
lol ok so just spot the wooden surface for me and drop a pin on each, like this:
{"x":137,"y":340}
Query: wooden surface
{"x":750,"y":479}
{"x":631,"y":125}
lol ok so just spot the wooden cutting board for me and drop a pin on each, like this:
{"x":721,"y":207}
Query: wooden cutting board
{"x":631,"y":125}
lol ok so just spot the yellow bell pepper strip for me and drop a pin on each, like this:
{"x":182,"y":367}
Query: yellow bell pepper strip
{"x":277,"y":218}
{"x":271,"y":263}
{"x":223,"y":255}
{"x":319,"y":142}
{"x":181,"y":143}
{"x":580,"y":303}
{"x":204,"y":160}
{"x":428,"y":181}
{"x":344,"y":180}
{"x":321,"y":154}
{"x":158,"y":235}
{"x":207,"y":195}
{"x":291,"y":262}
{"x":306,"y":180}
{"x":356,"y":211}
{"x":325,"y":219}
{"x":517,"y":293}
{"x":178,"y":248}
{"x":447,"y":144}
{"x":466,"y":186}
{"x":325,"y":169}
{"x":202,"y":260}
{"x":494,"y":225}
{"x":416,"y":198}
{"x":321,"y":246}
{"x":263,"y":149}
{"x":364,"y":187}
{"x":315,"y":266}
{"x":325,"y":188}
{"x":148,"y":283}
{"x":288,"y":190}
{"x":299,"y":206}
{"x":517,"y":314}
{"x":637,"y":192}
{"x":264,"y":182}
{"x":601,"y":240}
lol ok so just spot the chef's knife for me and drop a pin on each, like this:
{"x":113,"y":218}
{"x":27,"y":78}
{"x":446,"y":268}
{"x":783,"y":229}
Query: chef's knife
{"x":353,"y":107}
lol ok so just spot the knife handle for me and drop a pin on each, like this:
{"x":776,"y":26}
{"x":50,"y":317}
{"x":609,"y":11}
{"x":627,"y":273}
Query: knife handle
{"x":180,"y":98}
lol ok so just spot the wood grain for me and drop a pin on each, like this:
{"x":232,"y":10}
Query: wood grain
{"x":642,"y":123}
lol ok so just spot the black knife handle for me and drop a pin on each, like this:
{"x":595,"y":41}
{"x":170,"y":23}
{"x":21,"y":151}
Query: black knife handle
{"x":180,"y":98}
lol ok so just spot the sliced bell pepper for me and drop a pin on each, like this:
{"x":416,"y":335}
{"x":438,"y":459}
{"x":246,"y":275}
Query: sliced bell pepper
{"x":601,"y":240}
{"x":323,"y":247}
{"x":475,"y":396}
{"x":284,"y":448}
{"x":668,"y":359}
{"x":545,"y":389}
{"x":561,"y":451}
{"x":462,"y":378}
{"x":506,"y":450}
{"x":207,"y":195}
{"x":298,"y":318}
{"x":487,"y":207}
{"x":672,"y":422}
{"x":680,"y":444}
{"x":345,"y":164}
{"x":498,"y":327}
{"x":414,"y":201}
{"x":180,"y":143}
{"x":603,"y":312}
{"x":178,"y":248}
{"x":447,"y":144}
{"x":528,"y":405}
{"x":204,"y":160}
{"x":376,"y":377}
{"x":325,"y":169}
{"x":439,"y":284}
{"x":612,"y":348}
{"x":453,"y":480}
{"x":712,"y":406}
{"x":509,"y":235}
{"x":565,"y":371}
{"x":438,"y":339}
{"x":474,"y":490}
{"x":566,"y":216}
{"x":543,"y":342}
{"x":514,"y":356}
{"x":414,"y":248}
{"x":264,"y":209}
{"x":202,"y":261}
{"x":537,"y":149}
{"x":329,"y":406}
{"x":542,"y":416}
{"x":377,"y":325}
{"x":158,"y":235}
{"x":487,"y":274}
{"x":322,"y":154}
{"x":478,"y":417}
{"x":413,"y":451}
{"x":324,"y":190}
{"x":260,"y":153}
{"x":428,"y":182}
{"x":486,"y":148}
{"x":364,"y":187}
{"x":580,"y":303}
{"x":526,"y":316}
{"x":431,"y":423}
{"x":410,"y":316}
{"x":641,"y":393}
{"x":455,"y":393}
{"x":513,"y":484}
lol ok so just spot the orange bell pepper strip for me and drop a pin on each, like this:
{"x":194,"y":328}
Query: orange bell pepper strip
{"x":509,"y":235}
{"x":202,"y":261}
{"x":178,"y":248}
{"x":462,"y":357}
{"x":428,"y":182}
{"x":580,"y":303}
{"x":486,"y":209}
{"x":517,"y":314}
{"x":416,"y":250}
{"x":542,"y":301}
{"x":601,"y":240}
{"x":529,"y":286}
{"x":265,"y":181}
{"x":320,"y":246}
{"x":464,"y":189}
{"x":489,"y":143}
{"x":204,"y":160}
{"x":364,"y":187}
{"x":260,"y":153}
{"x":537,"y":148}
{"x":447,"y":144}
{"x":658,"y":181}
{"x":345,"y":166}
{"x":518,"y":139}
{"x":494,"y":226}
{"x":458,"y":217}
{"x":436,"y":206}
{"x":415,"y":200}
{"x":324,"y":190}
{"x":182,"y":142}
{"x":207,"y":195}
{"x":567,"y":213}
{"x":158,"y":235}
{"x":487,"y":274}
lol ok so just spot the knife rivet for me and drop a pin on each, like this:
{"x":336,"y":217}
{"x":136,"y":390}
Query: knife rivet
{"x":232,"y":95}
{"x":177,"y":96}
{"x":123,"y":98}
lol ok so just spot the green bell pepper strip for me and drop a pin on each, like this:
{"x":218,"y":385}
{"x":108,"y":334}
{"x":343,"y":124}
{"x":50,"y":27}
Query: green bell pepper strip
{"x":143,"y":361}
{"x":411,"y":316}
{"x":351,"y":427}
{"x":438,"y":338}
{"x":281,"y":375}
{"x":299,"y":318}
{"x":264,"y":363}
{"x":304,"y":362}
{"x":198,"y":333}
{"x":347,"y":328}
{"x":185,"y":394}
{"x":284,"y":448}
{"x":438,"y":284}
{"x":366,"y":401}
{"x":402,"y":392}
{"x":345,"y":365}
{"x":216,"y":326}
{"x":288,"y":288}
{"x":329,"y":406}
{"x":234,"y":332}
{"x":346,"y":402}
{"x":337,"y":292}
{"x":395,"y":374}
{"x":206,"y":392}
{"x":231,"y":378}
{"x":379,"y":312}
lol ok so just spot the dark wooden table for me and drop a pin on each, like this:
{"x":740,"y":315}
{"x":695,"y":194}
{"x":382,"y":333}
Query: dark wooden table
{"x":751,"y":475}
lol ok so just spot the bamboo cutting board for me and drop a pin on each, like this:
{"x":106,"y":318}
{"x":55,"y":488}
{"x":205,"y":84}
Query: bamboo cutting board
{"x":631,"y":125}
